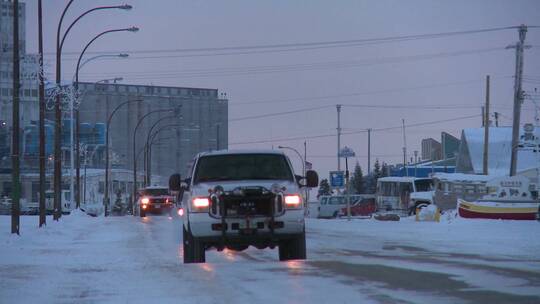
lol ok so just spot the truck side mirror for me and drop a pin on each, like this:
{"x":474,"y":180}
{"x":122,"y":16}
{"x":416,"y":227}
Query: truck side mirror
{"x":175,"y":182}
{"x":312,"y":179}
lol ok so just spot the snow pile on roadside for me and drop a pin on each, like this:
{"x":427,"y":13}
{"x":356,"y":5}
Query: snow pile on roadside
{"x":451,"y":234}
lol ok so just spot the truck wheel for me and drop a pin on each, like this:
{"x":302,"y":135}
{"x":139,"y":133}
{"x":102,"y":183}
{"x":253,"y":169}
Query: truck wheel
{"x":194,"y":250}
{"x":186,"y":240}
{"x":293,"y":249}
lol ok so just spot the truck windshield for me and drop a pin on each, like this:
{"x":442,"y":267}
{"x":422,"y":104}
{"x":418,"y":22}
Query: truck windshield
{"x":423,"y":185}
{"x":242,"y":167}
{"x":155,"y":191}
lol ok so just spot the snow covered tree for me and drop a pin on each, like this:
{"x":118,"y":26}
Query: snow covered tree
{"x":357,"y":180}
{"x":324,"y":188}
{"x":377,"y":170}
{"x":370,"y":183}
{"x":385,"y":171}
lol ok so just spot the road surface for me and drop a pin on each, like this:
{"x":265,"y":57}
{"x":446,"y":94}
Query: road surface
{"x":136,"y":260}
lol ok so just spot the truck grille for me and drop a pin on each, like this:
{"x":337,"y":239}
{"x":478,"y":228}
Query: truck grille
{"x":251,"y":202}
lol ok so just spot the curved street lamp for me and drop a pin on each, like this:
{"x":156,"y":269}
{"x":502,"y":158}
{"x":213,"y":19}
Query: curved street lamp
{"x":77,"y":123}
{"x":148,"y":148}
{"x":58,"y":110}
{"x":303,"y":167}
{"x":299,"y":155}
{"x":121,"y":55}
{"x":134,"y":151}
{"x":109,"y":119}
{"x":146,"y":159}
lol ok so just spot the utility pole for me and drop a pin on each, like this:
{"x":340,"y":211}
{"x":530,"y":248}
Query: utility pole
{"x":16,"y":193}
{"x":217,"y":137}
{"x":338,"y":107}
{"x":42,"y":208}
{"x":483,"y":116}
{"x":404,"y":149}
{"x":486,"y":129}
{"x":518,"y":96}
{"x":369,"y":151}
{"x":304,"y":173}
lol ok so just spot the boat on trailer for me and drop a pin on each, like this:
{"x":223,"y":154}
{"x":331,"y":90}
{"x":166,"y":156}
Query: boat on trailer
{"x":508,"y":198}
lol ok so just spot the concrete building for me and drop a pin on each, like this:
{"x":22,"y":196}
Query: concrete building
{"x":29,"y":110}
{"x":431,"y":149}
{"x":202,"y":124}
{"x":29,"y":68}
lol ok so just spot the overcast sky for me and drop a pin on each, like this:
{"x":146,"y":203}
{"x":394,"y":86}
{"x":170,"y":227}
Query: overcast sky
{"x":447,"y":72}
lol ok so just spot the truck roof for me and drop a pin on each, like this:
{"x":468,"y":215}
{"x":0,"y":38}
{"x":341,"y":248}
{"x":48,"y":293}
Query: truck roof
{"x":247,"y":151}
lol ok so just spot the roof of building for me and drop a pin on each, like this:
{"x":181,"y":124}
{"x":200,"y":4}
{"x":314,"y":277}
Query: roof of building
{"x":408,"y":179}
{"x":499,"y":150}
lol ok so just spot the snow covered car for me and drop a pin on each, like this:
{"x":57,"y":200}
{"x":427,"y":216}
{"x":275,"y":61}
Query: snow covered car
{"x":237,"y":199}
{"x":155,"y":199}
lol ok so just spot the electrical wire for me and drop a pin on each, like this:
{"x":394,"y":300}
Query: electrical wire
{"x":335,"y":43}
{"x":262,"y":141}
{"x":278,"y":114}
{"x":252,"y":70}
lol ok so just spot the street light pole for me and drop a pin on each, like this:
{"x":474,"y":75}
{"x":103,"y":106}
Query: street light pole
{"x":303,"y":166}
{"x":15,"y":155}
{"x":148,"y":145}
{"x":106,"y":194}
{"x":134,"y":151}
{"x":77,"y":194}
{"x":42,"y":211}
{"x":146,"y":158}
{"x":58,"y":110}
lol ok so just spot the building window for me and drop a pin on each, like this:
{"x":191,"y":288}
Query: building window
{"x":26,"y":92}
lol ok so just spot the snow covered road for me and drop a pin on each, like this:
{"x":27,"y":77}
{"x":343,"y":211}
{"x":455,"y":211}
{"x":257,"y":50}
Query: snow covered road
{"x":133,"y":260}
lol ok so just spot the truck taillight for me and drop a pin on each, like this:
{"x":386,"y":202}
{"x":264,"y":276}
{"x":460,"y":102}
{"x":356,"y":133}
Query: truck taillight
{"x":201,"y":203}
{"x":293,"y":201}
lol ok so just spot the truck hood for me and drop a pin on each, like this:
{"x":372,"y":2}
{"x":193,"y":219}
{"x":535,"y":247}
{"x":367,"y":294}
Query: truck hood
{"x":201,"y":189}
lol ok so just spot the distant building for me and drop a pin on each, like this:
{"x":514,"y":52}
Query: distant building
{"x":431,"y":149}
{"x":449,"y":145}
{"x":202,"y":124}
{"x":29,"y":110}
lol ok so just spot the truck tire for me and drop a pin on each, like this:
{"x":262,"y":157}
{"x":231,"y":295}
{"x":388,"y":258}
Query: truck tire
{"x":293,"y":249}
{"x":186,"y":242}
{"x":194,"y":250}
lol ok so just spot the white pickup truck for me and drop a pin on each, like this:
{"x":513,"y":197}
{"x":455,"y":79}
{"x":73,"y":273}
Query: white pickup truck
{"x":237,"y":199}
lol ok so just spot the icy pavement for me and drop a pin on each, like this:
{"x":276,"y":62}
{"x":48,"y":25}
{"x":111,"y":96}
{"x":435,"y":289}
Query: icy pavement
{"x":132,"y":260}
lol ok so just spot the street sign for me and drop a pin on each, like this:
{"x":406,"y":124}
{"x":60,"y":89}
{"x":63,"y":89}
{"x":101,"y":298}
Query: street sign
{"x":309,"y":165}
{"x":337,"y":179}
{"x":346,"y":152}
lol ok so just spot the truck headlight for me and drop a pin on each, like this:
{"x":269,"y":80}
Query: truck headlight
{"x":200,"y":204}
{"x":293,"y":201}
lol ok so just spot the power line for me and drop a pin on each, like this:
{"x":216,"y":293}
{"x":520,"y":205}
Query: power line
{"x":278,"y":114}
{"x":251,"y":70}
{"x":351,"y":133}
{"x":335,"y":43}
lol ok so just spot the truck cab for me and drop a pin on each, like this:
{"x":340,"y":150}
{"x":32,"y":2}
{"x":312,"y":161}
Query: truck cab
{"x":237,"y":199}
